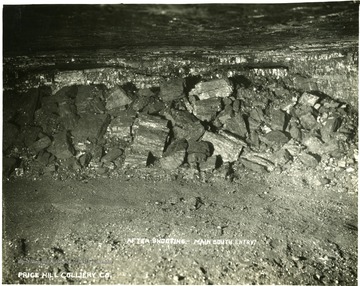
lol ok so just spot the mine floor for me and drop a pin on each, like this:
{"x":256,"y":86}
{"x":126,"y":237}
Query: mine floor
{"x":258,"y":229}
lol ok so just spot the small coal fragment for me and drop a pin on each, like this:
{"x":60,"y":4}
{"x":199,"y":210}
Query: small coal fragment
{"x":308,"y":99}
{"x":174,"y":155}
{"x":212,"y":89}
{"x":117,"y":98}
{"x":295,"y":132}
{"x":61,"y":146}
{"x":308,"y":121}
{"x":225,"y":114}
{"x":185,"y":125}
{"x":44,"y":157}
{"x":120,"y":127}
{"x":278,"y":120}
{"x":236,"y":125}
{"x":172,"y":89}
{"x":225,"y":145}
{"x":150,"y":135}
{"x":145,"y":92}
{"x":154,"y":107}
{"x":68,"y":114}
{"x":277,"y":137}
{"x":332,"y":124}
{"x":140,"y":103}
{"x":253,"y":166}
{"x":198,"y":152}
{"x":259,"y":160}
{"x":41,"y":144}
{"x":207,"y":109}
{"x":85,"y":159}
{"x":209,"y":165}
{"x":282,"y":157}
{"x":135,"y":159}
{"x":112,"y":155}
{"x":308,"y":159}
{"x":314,"y":145}
{"x":257,"y":115}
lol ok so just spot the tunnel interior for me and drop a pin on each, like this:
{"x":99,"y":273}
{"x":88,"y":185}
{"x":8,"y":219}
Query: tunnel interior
{"x":222,"y":136}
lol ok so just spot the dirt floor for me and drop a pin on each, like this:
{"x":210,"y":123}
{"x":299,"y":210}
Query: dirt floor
{"x":277,"y":228}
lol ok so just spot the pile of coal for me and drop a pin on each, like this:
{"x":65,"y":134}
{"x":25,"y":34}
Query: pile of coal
{"x":213,"y":127}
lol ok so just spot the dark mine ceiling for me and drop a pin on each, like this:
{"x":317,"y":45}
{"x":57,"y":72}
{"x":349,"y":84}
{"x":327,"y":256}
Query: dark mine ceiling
{"x":42,"y":29}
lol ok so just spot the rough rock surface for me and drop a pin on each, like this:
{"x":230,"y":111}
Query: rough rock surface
{"x":225,"y":145}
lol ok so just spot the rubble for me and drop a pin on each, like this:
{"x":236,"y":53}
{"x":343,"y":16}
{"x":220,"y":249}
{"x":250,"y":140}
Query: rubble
{"x":212,"y":89}
{"x":226,"y":145}
{"x":200,"y":134}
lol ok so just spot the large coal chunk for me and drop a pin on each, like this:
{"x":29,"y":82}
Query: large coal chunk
{"x":212,"y":89}
{"x":150,"y":135}
{"x":198,"y":152}
{"x":68,"y":114}
{"x":90,"y":98}
{"x":117,"y":98}
{"x":185,"y":125}
{"x":134,"y":159}
{"x":226,"y":145}
{"x":172,"y":89}
{"x":91,"y":127}
{"x":207,"y":109}
{"x":61,"y":146}
{"x":120,"y":127}
{"x":174,"y":155}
